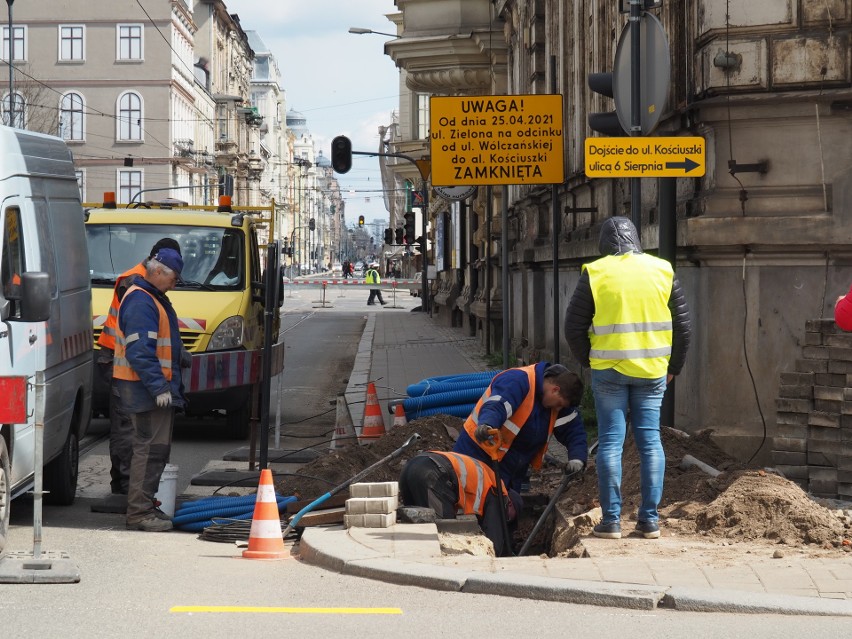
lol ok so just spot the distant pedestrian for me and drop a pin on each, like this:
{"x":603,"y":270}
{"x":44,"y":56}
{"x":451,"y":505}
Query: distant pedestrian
{"x":346,"y":269}
{"x":447,"y":482}
{"x":121,"y":427}
{"x":628,"y":322}
{"x":147,"y":370}
{"x":372,"y":277}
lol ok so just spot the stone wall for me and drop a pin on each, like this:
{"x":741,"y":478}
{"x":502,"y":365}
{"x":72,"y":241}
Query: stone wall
{"x":813,"y":437}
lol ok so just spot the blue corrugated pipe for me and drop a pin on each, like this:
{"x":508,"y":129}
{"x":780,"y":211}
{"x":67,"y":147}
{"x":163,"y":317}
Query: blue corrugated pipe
{"x":199,"y":514}
{"x":457,"y":410}
{"x":413,"y":405}
{"x":421,"y":389}
{"x":415,"y":390}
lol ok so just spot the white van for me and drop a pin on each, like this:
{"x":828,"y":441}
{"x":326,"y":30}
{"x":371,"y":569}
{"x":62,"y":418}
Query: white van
{"x":45,"y":318}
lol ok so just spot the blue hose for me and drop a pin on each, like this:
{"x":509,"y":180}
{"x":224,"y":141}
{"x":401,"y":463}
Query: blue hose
{"x":414,"y":405}
{"x":421,"y":389}
{"x":415,"y":390}
{"x":457,"y":410}
{"x":199,"y":514}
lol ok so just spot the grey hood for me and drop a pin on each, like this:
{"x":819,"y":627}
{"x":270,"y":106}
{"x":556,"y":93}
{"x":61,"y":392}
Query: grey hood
{"x":619,"y":236}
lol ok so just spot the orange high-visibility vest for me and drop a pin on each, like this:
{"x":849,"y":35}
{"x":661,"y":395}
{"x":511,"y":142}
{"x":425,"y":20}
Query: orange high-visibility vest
{"x":514,"y":420}
{"x":107,"y":337}
{"x":475,"y":481}
{"x":121,"y":367}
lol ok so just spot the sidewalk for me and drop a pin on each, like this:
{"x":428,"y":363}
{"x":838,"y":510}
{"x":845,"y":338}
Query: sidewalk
{"x":398,"y":349}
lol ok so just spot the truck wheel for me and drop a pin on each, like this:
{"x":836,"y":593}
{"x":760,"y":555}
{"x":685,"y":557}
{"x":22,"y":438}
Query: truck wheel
{"x":237,"y":422}
{"x":5,"y":492}
{"x":60,"y":475}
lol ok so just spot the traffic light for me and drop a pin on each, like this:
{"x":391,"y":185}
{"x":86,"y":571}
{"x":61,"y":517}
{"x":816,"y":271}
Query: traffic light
{"x":341,"y":154}
{"x":312,"y":224}
{"x":409,"y":228}
{"x":388,"y":236}
{"x":606,"y":123}
{"x":398,"y":233}
{"x":421,"y":245}
{"x":360,"y":220}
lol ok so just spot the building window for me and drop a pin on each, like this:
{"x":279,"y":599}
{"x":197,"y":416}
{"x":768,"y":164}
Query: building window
{"x":129,"y":42}
{"x":71,"y":117}
{"x":130,"y":117}
{"x":422,"y":116}
{"x":71,"y":43}
{"x":129,"y":185}
{"x":81,"y":183}
{"x":14,"y":110}
{"x":19,"y":43}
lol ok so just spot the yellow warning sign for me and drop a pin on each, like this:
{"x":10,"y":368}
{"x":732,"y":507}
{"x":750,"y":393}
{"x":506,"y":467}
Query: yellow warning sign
{"x":505,"y":139}
{"x":645,"y":157}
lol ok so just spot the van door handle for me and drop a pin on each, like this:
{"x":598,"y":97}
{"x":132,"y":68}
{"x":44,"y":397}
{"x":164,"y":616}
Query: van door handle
{"x":33,"y":339}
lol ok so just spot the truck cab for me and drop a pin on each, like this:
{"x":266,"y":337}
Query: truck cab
{"x":219,"y":302}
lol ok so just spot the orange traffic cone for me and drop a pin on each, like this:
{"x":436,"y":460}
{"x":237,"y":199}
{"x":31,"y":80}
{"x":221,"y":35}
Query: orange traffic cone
{"x":374,"y":423}
{"x":344,"y":429}
{"x":399,"y":416}
{"x":266,"y":540}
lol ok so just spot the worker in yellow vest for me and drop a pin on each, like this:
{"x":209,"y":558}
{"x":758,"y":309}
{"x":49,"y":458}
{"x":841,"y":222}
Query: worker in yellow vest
{"x":120,"y":426}
{"x":628,"y":321}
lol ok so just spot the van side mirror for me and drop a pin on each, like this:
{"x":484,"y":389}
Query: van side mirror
{"x":35,"y":296}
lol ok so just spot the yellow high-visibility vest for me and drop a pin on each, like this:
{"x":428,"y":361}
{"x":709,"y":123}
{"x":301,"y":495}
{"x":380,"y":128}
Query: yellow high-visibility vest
{"x":632,"y":327}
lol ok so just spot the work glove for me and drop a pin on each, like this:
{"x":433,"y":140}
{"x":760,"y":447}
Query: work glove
{"x":573,"y":466}
{"x":481,"y":433}
{"x":164,"y":400}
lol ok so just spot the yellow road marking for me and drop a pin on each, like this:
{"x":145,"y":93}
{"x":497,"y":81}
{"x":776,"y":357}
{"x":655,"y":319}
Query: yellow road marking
{"x":291,"y":611}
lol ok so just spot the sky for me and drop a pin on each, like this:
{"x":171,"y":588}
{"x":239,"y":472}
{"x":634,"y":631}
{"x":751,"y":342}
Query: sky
{"x":342,"y":83}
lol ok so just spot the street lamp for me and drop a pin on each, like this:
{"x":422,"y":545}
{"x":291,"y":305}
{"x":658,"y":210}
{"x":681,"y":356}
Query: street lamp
{"x":362,"y":31}
{"x":11,"y":69}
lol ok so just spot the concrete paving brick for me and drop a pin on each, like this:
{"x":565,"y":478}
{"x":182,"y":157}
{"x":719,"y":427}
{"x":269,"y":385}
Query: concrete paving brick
{"x":374,"y":489}
{"x":369,"y":520}
{"x":371,"y":505}
{"x":783,"y":578}
{"x":626,"y":571}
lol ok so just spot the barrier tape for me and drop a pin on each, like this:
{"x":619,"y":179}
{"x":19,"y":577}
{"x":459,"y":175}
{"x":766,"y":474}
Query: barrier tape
{"x":320,"y":283}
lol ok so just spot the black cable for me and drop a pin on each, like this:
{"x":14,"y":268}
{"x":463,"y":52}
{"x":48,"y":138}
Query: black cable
{"x":748,"y":366}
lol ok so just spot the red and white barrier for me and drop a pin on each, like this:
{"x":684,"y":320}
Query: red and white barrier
{"x":321,"y":283}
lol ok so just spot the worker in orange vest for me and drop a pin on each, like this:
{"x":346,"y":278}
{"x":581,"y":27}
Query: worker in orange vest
{"x":147,"y":372}
{"x":121,"y":428}
{"x":449,"y":483}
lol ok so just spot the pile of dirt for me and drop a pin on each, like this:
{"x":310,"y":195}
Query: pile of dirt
{"x":324,"y":473}
{"x":738,"y":505}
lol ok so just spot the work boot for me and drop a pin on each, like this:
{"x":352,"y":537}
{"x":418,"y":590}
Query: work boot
{"x":159,"y":514}
{"x":648,"y":529}
{"x":151,"y":524}
{"x":607,"y":531}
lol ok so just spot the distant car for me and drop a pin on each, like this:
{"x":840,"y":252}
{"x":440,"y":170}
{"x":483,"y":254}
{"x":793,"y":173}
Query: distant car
{"x":337,"y":268}
{"x":359,"y":266}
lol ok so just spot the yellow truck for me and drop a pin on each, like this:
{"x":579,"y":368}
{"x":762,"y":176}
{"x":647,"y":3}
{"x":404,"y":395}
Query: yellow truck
{"x":219,"y":303}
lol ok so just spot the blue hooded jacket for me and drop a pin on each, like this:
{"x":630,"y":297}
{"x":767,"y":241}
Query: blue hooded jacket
{"x":138,"y":314}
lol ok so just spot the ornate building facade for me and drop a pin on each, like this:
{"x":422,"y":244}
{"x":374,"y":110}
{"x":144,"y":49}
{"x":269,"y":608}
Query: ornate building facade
{"x":763,"y":238}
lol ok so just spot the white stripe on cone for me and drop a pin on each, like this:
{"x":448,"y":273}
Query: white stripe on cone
{"x":265,"y":529}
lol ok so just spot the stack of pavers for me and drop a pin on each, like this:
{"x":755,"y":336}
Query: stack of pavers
{"x":813,"y":437}
{"x":372,"y":505}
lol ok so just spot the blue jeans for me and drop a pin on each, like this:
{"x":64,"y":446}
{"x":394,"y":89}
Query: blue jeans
{"x":616,"y":394}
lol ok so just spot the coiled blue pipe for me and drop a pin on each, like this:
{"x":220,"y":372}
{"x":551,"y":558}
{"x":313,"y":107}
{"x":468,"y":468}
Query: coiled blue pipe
{"x":457,"y":410}
{"x":197,"y":515}
{"x":414,"y":405}
{"x":418,"y":389}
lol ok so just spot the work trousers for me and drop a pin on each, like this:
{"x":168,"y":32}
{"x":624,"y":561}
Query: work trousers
{"x":152,"y":441}
{"x":430,"y":481}
{"x":374,"y":293}
{"x":615,"y":395}
{"x":120,"y":428}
